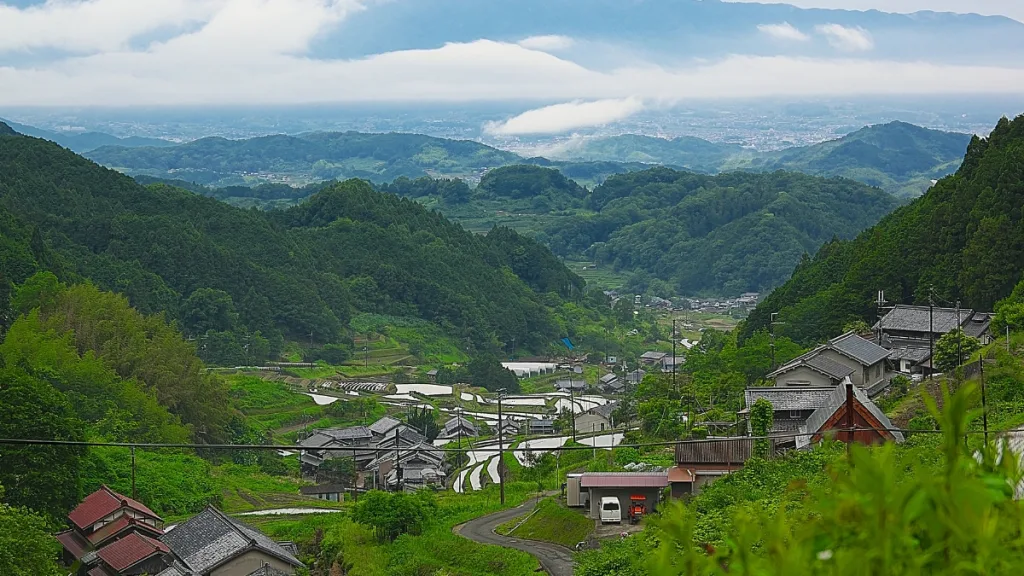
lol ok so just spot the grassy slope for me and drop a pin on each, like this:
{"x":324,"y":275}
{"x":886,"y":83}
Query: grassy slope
{"x":551,"y":522}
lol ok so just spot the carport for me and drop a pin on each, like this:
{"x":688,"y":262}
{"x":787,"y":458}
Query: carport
{"x":624,"y":486}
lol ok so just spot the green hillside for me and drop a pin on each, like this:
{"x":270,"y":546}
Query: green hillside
{"x":723,"y":234}
{"x":964,"y":239}
{"x":306,"y":158}
{"x":898,"y":157}
{"x":247,"y":277}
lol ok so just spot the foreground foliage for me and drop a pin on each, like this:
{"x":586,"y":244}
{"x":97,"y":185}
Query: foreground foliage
{"x":935,"y":507}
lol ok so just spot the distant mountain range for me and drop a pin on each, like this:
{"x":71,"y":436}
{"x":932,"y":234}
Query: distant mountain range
{"x":900,"y":158}
{"x":85,"y":141}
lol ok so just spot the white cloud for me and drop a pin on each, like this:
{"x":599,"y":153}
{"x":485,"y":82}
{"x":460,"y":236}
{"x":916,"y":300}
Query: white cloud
{"x":92,"y":25}
{"x":784,"y":31}
{"x":564,"y":117}
{"x":547,"y":43}
{"x":847,"y":39}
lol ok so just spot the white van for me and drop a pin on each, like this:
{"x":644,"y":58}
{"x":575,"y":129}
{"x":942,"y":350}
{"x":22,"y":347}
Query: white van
{"x":611,"y":512}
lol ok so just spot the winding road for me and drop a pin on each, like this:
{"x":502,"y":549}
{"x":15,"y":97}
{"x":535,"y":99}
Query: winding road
{"x":556,"y":560}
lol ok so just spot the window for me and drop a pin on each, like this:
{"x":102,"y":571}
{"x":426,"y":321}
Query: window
{"x":611,"y":506}
{"x":794,"y":415}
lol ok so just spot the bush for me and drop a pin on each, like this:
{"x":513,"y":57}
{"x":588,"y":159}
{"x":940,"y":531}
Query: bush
{"x":393,"y":514}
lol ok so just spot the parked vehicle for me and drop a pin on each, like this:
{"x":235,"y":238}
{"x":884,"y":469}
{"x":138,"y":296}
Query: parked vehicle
{"x":611,"y":512}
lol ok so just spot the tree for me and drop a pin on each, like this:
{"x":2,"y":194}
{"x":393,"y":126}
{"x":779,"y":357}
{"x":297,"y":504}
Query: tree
{"x":953,"y":349}
{"x":422,"y":419}
{"x":44,"y":478}
{"x":487,"y":372}
{"x":393,"y":514}
{"x":337,"y":470}
{"x":762,"y":419}
{"x":208,"y":309}
{"x":27,"y":547}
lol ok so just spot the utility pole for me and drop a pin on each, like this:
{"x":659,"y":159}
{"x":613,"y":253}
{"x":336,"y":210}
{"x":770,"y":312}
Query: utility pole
{"x":849,"y":418}
{"x":880,"y":303}
{"x":674,"y":385}
{"x":984,"y":404}
{"x":134,"y":494}
{"x":501,"y":448}
{"x":398,"y":463}
{"x":931,"y":334}
{"x":959,"y":338}
{"x":572,"y":401}
{"x":771,"y":333}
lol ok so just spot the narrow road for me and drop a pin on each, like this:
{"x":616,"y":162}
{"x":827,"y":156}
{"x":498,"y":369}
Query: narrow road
{"x":556,"y":560}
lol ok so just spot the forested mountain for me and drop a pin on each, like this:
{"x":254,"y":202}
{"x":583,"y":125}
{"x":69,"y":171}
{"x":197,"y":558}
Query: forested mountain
{"x":260,"y":277}
{"x":724,"y":234}
{"x":308,"y":157}
{"x":900,"y":158}
{"x":686,"y":151}
{"x":86,"y":141}
{"x":963,"y":240}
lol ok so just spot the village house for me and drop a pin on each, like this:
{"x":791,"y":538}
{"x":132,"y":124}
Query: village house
{"x":540,"y":426}
{"x":574,"y":384}
{"x":409,"y":467}
{"x":670,"y":363}
{"x":635,"y":377}
{"x":792,"y":406}
{"x":611,"y":384}
{"x":326,"y":444}
{"x":846,"y":356}
{"x":113,"y":535}
{"x":97,"y":525}
{"x":458,"y":427}
{"x":214,"y":544}
{"x":597,"y":419}
{"x":872,"y":425}
{"x":652,"y":358}
{"x":701,"y":463}
{"x":908,"y":332}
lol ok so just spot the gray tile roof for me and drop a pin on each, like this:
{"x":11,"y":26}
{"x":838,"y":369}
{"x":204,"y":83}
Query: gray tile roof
{"x":789,"y":398}
{"x":978,"y":325}
{"x":575,"y":384}
{"x":212,"y":538}
{"x":606,"y":410}
{"x":384,"y":425}
{"x":915,"y":319}
{"x":352,"y":433}
{"x":653,"y":355}
{"x":268,"y":571}
{"x":835,"y":401}
{"x":864,"y":351}
{"x":829,"y":367}
{"x":608,"y":378}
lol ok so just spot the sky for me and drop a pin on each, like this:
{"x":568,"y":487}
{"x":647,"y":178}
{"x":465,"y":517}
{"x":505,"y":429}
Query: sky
{"x":1009,"y":8}
{"x":242,"y":52}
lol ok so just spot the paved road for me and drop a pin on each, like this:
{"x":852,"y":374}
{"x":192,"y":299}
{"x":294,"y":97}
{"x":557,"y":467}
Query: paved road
{"x":556,"y":560}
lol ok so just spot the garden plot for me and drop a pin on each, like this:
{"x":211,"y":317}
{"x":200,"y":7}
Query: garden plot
{"x":424,"y":389}
{"x":537,"y":447}
{"x":322,"y":400}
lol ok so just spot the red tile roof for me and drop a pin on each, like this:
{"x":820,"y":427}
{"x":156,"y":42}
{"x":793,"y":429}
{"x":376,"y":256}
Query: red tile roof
{"x":102,"y":503}
{"x":131,"y":550}
{"x":624,"y":480}
{"x":112,"y":529}
{"x":73,"y":543}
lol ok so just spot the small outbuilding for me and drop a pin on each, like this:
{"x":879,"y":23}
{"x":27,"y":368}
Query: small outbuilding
{"x":628,"y":487}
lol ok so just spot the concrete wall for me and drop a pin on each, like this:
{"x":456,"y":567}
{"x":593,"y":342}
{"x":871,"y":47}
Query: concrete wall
{"x":591,"y":423}
{"x":250,"y":562}
{"x":651,"y":494}
{"x":807,"y":377}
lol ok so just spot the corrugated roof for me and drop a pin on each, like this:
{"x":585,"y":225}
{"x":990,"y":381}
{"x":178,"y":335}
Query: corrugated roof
{"x":679,"y":474}
{"x":102,"y":503}
{"x":789,"y":398}
{"x":624,"y":480}
{"x":731,"y":451}
{"x":131,"y":550}
{"x":864,"y":351}
{"x":835,"y":401}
